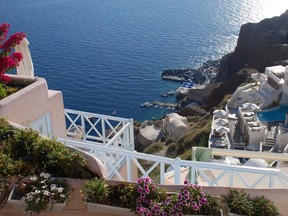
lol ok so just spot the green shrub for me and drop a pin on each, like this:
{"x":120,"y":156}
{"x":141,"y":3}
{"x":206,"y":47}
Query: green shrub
{"x":239,"y":202}
{"x":58,"y":160}
{"x":213,"y":206}
{"x":8,"y":166}
{"x":22,"y":144}
{"x":170,"y":140}
{"x":187,"y":155}
{"x":170,"y":152}
{"x":96,"y":191}
{"x":263,"y":206}
{"x":154,"y":147}
{"x":4,"y":128}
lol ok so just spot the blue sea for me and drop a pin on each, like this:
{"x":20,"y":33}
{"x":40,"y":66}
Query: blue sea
{"x":107,"y":55}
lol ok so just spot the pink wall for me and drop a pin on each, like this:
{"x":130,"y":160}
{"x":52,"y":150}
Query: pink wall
{"x":32,"y":102}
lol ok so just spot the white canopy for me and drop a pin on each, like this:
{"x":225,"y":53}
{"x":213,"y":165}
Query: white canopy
{"x":220,"y":113}
{"x":255,"y":162}
{"x":25,"y":67}
{"x":220,"y":122}
{"x":222,"y":130}
{"x":250,"y":106}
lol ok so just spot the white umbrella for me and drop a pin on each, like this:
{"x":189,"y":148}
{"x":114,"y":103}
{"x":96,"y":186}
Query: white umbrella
{"x":220,"y":122}
{"x":222,"y":130}
{"x":255,"y":162}
{"x":220,"y":113}
{"x":250,"y":106}
{"x":25,"y":67}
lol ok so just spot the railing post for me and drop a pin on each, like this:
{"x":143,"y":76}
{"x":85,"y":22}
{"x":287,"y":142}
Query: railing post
{"x":162,"y":173}
{"x":193,"y":175}
{"x":131,"y":138}
{"x":231,"y":178}
{"x":177,"y":171}
{"x":129,"y":168}
{"x":103,"y":131}
{"x":271,"y":181}
{"x":83,"y":126}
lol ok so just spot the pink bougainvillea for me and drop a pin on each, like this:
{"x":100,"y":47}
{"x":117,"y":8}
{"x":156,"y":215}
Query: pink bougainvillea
{"x":9,"y":61}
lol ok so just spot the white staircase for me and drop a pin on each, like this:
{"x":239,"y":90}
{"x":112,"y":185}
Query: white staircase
{"x":271,"y":98}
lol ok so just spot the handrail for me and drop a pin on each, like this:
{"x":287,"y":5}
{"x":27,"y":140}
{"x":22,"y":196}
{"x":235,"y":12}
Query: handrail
{"x":101,"y":129}
{"x":240,"y":176}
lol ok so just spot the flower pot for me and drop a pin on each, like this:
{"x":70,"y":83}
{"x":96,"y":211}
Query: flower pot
{"x":57,"y":207}
{"x":19,"y":203}
{"x":106,"y":209}
{"x":16,"y":203}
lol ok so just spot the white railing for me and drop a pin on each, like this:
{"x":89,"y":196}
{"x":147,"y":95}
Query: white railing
{"x":100,"y":129}
{"x":121,"y":165}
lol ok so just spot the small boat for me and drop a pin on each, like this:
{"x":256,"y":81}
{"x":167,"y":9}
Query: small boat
{"x":156,"y":106}
{"x":114,"y":113}
{"x":149,"y":104}
{"x":170,"y":93}
{"x":164,"y":95}
{"x":146,"y":104}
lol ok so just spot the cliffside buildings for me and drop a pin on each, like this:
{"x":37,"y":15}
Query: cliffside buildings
{"x":261,"y":111}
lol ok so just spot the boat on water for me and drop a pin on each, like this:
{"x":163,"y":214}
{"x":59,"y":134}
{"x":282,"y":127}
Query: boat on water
{"x":146,"y":104}
{"x":170,"y":93}
{"x":156,"y":106}
{"x":164,"y":95}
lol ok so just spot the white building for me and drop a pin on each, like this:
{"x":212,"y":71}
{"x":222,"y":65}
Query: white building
{"x":175,"y":125}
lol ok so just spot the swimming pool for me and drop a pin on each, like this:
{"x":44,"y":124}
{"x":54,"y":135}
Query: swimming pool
{"x":274,"y":114}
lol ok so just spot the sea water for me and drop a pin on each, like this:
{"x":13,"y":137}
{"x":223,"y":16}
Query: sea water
{"x":107,"y":55}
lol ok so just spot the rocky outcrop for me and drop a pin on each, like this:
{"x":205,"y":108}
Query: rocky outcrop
{"x":259,"y":45}
{"x":192,"y":111}
{"x":201,"y":95}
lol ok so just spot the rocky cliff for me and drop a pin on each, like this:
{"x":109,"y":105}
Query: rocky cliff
{"x":259,"y":45}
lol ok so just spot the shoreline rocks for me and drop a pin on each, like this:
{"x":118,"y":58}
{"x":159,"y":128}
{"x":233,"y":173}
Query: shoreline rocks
{"x":197,"y":75}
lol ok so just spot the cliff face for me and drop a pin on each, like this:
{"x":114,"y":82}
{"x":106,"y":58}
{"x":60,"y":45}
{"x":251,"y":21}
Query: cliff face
{"x":259,"y":45}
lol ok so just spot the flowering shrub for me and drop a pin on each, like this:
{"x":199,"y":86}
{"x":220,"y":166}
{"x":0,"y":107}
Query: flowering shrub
{"x":189,"y":200}
{"x":45,"y":192}
{"x":9,"y":61}
{"x":148,"y":197}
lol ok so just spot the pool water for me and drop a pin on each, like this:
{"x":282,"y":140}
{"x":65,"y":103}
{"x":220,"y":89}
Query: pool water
{"x":275,"y":114}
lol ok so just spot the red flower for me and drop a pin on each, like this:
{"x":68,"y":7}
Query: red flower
{"x":4,"y":31}
{"x":13,"y":41}
{"x":4,"y":78}
{"x":17,"y":57}
{"x":6,"y":63}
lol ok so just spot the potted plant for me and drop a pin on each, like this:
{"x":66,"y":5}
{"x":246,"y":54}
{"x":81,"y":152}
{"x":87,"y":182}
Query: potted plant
{"x":103,"y":198}
{"x":39,"y":194}
{"x":213,"y":207}
{"x":239,"y":203}
{"x":263,"y":206}
{"x":8,"y":61}
{"x":188,"y":201}
{"x":147,"y":196}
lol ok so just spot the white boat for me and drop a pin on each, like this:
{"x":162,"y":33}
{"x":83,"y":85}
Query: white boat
{"x":170,"y":92}
{"x":146,"y":104}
